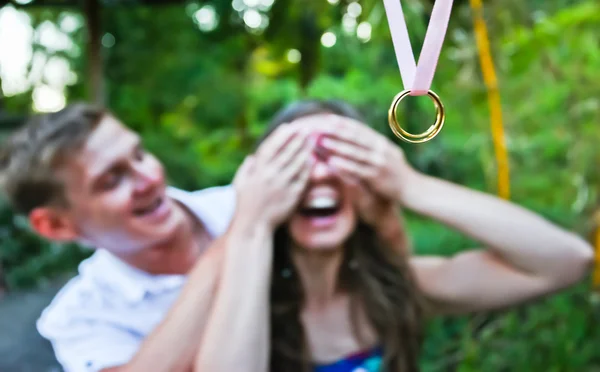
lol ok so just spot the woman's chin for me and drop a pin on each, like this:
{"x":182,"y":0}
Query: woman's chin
{"x":313,"y":236}
{"x":319,"y":243}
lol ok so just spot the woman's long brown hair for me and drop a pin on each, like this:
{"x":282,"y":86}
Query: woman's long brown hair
{"x":377,"y":278}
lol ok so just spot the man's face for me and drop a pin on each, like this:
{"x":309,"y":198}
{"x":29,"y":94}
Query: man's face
{"x":116,"y":192}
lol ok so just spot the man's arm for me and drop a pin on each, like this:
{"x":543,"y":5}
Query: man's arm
{"x":526,"y":256}
{"x":83,"y":341}
{"x":246,"y":249}
{"x":172,"y":345}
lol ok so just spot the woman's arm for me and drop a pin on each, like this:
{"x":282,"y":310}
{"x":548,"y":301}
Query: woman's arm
{"x":237,"y":333}
{"x":526,"y":256}
{"x":269,"y":186}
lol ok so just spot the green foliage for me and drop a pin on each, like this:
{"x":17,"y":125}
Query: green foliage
{"x":200,"y":100}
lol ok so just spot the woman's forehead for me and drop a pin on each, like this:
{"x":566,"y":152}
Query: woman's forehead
{"x":318,"y":122}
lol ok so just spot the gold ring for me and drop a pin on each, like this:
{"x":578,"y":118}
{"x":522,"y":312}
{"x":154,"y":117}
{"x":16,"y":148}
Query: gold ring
{"x":430,"y":133}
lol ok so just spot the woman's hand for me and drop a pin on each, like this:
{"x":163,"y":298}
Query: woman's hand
{"x":270,"y":183}
{"x":382,"y":214}
{"x":372,"y":208}
{"x":360,"y":152}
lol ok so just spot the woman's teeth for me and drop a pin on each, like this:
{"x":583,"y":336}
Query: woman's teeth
{"x":321,"y":206}
{"x":321,"y":202}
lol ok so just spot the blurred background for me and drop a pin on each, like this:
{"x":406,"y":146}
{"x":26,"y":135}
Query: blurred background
{"x":200,"y":79}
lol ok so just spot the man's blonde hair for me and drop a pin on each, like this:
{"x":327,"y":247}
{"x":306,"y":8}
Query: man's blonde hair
{"x":30,"y":157}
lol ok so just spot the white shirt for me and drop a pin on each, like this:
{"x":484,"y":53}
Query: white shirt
{"x":100,"y":317}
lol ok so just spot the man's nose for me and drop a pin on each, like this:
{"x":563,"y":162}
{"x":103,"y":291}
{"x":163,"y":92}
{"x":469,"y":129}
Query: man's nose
{"x":146,"y":176}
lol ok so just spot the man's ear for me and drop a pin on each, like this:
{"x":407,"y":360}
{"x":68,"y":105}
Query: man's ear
{"x":52,"y":224}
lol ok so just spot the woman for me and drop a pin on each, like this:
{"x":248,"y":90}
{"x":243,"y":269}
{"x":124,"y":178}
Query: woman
{"x":324,"y":276}
{"x":346,"y":295}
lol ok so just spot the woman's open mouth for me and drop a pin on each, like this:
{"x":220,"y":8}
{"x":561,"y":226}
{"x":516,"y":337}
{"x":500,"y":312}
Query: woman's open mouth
{"x":320,"y":206}
{"x":321,"y":209}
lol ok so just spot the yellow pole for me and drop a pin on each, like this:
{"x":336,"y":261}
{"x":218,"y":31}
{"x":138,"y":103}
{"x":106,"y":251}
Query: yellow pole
{"x":596,"y":243}
{"x":489,"y":77}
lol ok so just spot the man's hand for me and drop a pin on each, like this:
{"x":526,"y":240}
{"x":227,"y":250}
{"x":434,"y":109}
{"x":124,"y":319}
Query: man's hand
{"x":270,"y":183}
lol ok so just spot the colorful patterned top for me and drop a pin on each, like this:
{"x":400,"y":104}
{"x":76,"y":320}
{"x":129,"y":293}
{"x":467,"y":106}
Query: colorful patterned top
{"x":369,"y":361}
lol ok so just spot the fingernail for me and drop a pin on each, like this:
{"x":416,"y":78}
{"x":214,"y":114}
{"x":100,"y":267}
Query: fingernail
{"x":326,"y":142}
{"x":320,"y":138}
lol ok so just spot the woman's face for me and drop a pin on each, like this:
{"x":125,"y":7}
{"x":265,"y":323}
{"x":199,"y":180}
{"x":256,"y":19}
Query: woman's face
{"x":325,"y":217}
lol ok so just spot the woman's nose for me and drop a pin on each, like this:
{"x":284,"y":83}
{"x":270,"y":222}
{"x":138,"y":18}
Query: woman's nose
{"x":321,"y":171}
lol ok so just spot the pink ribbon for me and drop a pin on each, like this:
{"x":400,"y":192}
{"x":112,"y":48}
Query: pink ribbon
{"x":415,"y":77}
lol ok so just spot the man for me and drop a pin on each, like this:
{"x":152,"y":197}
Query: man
{"x":141,"y":302}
